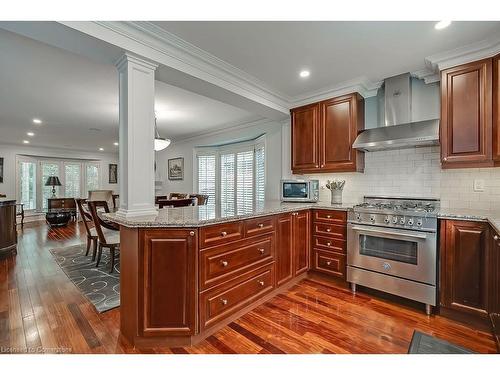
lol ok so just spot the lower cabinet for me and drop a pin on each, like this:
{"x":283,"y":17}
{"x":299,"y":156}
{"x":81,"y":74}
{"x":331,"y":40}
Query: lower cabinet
{"x":292,"y":245}
{"x":465,"y":283}
{"x":495,"y":273}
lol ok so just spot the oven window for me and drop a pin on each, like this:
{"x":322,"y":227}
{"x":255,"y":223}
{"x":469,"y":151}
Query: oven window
{"x":388,"y":248}
{"x":295,"y":190}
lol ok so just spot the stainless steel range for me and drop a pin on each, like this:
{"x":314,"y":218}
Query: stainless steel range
{"x":392,"y":247}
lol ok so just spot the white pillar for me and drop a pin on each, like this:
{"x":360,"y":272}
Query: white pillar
{"x":137,"y":90}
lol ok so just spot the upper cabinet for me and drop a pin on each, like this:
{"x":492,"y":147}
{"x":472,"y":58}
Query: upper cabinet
{"x":323,"y":134}
{"x":467,"y":125}
{"x":496,"y":109}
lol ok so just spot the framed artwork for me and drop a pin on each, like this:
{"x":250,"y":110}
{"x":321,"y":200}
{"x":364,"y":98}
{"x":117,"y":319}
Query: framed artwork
{"x":113,"y":173}
{"x":1,"y":170}
{"x":176,"y":169}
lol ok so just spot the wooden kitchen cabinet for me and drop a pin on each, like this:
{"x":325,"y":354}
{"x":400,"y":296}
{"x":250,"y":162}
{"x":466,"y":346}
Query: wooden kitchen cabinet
{"x":323,"y":134}
{"x":305,"y":138}
{"x":465,"y":270}
{"x":496,"y":110}
{"x":293,"y":245}
{"x":466,"y":128}
{"x":495,"y":273}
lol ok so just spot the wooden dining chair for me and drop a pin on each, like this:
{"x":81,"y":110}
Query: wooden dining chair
{"x":109,"y":240}
{"x":177,"y":202}
{"x":92,"y":238}
{"x":178,"y":196}
{"x":202,"y":199}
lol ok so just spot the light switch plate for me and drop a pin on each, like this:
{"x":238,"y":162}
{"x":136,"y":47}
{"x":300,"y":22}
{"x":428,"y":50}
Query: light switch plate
{"x":478,"y":185}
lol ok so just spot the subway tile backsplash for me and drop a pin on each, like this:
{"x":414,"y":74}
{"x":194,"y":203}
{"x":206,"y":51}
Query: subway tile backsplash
{"x":417,"y":172}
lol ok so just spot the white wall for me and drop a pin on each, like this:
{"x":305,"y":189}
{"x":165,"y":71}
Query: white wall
{"x":186,"y":148}
{"x":9,"y":152}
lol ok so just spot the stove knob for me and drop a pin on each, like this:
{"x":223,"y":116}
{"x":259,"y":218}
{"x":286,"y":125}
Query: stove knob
{"x":372,"y":218}
{"x":358,"y":217}
{"x":395,"y":220}
{"x":402,"y":221}
{"x":387,"y":220}
{"x":410,"y":221}
{"x":419,"y":222}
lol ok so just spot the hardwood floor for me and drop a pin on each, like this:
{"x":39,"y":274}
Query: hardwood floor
{"x":41,"y":311}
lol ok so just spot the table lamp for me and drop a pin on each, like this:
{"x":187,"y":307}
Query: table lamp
{"x":53,"y":181}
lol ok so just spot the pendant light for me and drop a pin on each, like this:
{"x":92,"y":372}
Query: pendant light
{"x":160,"y":143}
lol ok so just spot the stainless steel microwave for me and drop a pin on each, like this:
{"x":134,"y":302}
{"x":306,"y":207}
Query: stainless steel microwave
{"x":299,"y":190}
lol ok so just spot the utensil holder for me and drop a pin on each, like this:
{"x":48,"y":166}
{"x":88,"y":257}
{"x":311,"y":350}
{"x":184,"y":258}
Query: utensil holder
{"x":336,"y":196}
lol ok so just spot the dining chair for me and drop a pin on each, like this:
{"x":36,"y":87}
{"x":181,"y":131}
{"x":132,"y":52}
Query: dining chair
{"x":20,"y":212}
{"x":202,"y":199}
{"x":116,"y":200}
{"x":92,"y":237}
{"x":177,"y":202}
{"x":106,"y":240}
{"x":101,"y":195}
{"x":178,"y":196}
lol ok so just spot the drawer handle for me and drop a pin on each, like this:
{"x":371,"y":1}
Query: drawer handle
{"x":328,"y":216}
{"x":328,"y":230}
{"x":260,"y":225}
{"x":261,"y":251}
{"x":191,"y":233}
{"x":328,"y":244}
{"x":495,"y":237}
{"x":224,"y":263}
{"x":261,"y":283}
{"x":223,"y":234}
{"x":328,"y":262}
{"x":223,"y":301}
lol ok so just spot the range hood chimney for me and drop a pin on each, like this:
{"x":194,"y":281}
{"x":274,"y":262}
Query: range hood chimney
{"x":397,"y":130}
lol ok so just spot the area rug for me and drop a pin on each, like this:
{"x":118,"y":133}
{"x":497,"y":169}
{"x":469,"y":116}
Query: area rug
{"x":425,"y":344}
{"x":100,"y":287}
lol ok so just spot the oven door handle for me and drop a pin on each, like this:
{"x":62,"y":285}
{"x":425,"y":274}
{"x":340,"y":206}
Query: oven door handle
{"x":376,"y":231}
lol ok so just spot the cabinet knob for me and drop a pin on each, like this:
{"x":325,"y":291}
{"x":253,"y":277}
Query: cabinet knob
{"x":445,"y":159}
{"x":495,"y":237}
{"x":260,"y":282}
{"x":322,"y":165}
{"x":224,"y":263}
{"x":328,"y":230}
{"x":328,"y":216}
{"x":328,"y":244}
{"x":328,"y":262}
{"x":223,"y":234}
{"x":317,"y":166}
{"x":191,"y":233}
{"x":261,"y":251}
{"x":260,"y":225}
{"x":223,"y":301}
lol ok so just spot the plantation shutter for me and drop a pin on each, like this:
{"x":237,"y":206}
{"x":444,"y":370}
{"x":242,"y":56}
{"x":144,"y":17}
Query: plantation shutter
{"x":206,"y":177}
{"x":245,"y":181}
{"x":227,"y":181}
{"x":260,"y":175}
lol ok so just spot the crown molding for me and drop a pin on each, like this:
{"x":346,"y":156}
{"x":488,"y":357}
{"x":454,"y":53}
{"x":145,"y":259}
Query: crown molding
{"x":428,"y":75}
{"x":472,"y":52}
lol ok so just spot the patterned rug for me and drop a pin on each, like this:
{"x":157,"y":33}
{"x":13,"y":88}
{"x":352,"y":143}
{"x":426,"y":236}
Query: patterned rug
{"x":100,"y":287}
{"x":425,"y":344}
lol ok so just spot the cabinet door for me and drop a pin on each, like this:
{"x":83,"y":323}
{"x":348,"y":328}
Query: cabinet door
{"x":340,"y":120}
{"x":466,"y":115}
{"x":301,"y":241}
{"x":495,"y":274}
{"x":305,"y":135}
{"x":284,"y":249}
{"x":464,"y":267}
{"x":496,"y":109}
{"x":170,"y":275}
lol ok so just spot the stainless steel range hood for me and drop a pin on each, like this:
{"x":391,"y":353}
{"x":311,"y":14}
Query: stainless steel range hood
{"x":397,"y":129}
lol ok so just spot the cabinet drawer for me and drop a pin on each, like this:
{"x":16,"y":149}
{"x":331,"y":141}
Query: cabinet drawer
{"x":329,"y":244}
{"x":225,"y":262}
{"x":330,"y":216}
{"x":331,"y":263}
{"x":215,"y":305}
{"x":330,"y":230}
{"x":221,"y":233}
{"x":259,"y":225}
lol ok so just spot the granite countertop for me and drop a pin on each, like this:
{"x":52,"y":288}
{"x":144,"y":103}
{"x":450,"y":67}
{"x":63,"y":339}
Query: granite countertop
{"x":7,"y":201}
{"x":199,"y":216}
{"x":491,"y":216}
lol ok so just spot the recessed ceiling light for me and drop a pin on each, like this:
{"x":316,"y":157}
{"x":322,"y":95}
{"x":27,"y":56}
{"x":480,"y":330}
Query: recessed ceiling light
{"x":37,"y":121}
{"x":30,"y":134}
{"x":26,"y":142}
{"x":304,"y":73}
{"x":116,"y":143}
{"x":101,"y":149}
{"x":442,"y":24}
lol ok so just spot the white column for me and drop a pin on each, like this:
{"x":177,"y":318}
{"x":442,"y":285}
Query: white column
{"x":137,"y":90}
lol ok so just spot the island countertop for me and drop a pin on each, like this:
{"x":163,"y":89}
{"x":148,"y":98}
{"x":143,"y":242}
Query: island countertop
{"x":199,"y":216}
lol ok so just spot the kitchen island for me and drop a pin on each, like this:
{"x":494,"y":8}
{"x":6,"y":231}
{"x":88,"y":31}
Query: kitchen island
{"x":187,"y":272}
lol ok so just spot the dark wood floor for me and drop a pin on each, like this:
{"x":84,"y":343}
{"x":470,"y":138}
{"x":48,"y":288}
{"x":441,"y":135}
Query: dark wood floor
{"x":42,"y":311}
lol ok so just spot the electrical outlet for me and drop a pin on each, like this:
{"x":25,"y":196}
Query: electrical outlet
{"x":478,"y":185}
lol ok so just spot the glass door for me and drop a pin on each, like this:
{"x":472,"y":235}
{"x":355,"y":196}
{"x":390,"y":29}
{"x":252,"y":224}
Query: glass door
{"x":91,"y":177}
{"x":27,"y":184}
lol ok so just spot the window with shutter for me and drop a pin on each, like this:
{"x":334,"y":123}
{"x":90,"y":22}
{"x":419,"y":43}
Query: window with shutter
{"x":245,"y":182}
{"x":206,"y":177}
{"x":260,"y":175}
{"x":227,"y":185}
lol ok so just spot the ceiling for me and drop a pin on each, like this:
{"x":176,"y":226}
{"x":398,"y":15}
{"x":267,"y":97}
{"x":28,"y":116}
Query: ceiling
{"x":334,"y":52}
{"x":77,"y":100}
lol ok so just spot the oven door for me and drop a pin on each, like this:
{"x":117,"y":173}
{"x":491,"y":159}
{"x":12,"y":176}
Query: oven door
{"x":397,"y":252}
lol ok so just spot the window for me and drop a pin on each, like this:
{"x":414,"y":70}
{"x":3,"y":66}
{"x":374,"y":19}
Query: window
{"x":233,"y":175}
{"x":77,"y":178}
